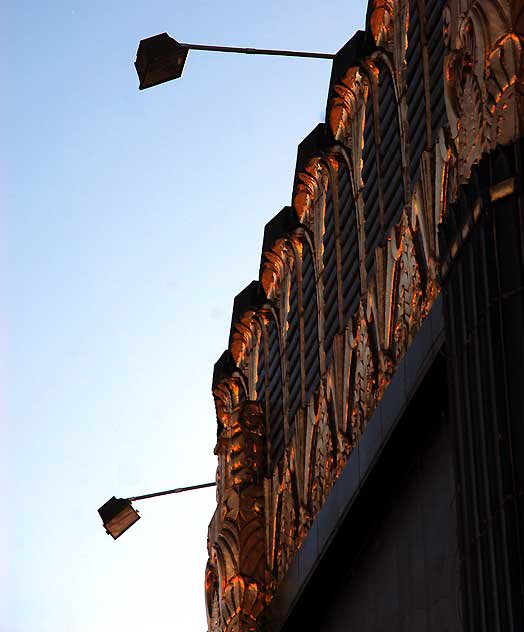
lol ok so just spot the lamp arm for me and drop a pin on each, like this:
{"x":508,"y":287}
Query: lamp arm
{"x":177,"y":490}
{"x":258,"y":51}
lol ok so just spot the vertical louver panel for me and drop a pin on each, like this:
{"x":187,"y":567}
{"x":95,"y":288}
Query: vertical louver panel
{"x":329,"y":275}
{"x":275,"y":411}
{"x":370,"y":178}
{"x":293,"y":350}
{"x":348,"y":244}
{"x":310,"y":320}
{"x":390,"y":151}
{"x":435,"y":43}
{"x":261,"y":386}
{"x":415,"y":92}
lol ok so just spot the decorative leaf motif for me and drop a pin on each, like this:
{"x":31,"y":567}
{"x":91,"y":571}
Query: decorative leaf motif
{"x":263,"y":515}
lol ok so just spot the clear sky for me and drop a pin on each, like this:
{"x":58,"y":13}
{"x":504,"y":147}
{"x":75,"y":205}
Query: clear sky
{"x":131,"y":220}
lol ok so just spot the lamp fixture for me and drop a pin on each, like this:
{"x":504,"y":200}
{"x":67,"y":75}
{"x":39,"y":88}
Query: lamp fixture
{"x":161,"y":58}
{"x":118,"y":514}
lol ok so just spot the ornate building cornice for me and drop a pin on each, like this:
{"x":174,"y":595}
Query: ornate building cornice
{"x":348,"y":273}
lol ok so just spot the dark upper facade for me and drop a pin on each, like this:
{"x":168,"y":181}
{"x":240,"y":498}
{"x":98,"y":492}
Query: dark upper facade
{"x":384,"y":330}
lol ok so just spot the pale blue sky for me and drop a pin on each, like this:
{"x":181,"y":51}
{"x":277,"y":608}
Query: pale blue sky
{"x":131,"y":221}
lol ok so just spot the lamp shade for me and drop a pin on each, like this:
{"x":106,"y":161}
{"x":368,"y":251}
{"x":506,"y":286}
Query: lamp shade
{"x":118,"y":515}
{"x":158,"y":59}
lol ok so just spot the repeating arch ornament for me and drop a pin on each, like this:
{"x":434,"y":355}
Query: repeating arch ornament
{"x":383,"y":295}
{"x":273,"y":499}
{"x":227,"y":393}
{"x":310,"y":189}
{"x":322,"y":466}
{"x":236,"y":574}
{"x":212,"y":592}
{"x":272,"y":269}
{"x":289,"y":516}
{"x":364,"y":378}
{"x":502,"y":84}
{"x":381,"y":21}
{"x":483,"y":72}
{"x":409,"y":293}
{"x":313,"y":219}
{"x":266,"y":508}
{"x":388,"y":26}
{"x":346,"y":115}
{"x":242,"y":337}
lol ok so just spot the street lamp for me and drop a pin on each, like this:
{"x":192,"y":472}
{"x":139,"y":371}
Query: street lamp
{"x":118,"y":514}
{"x":161,"y":58}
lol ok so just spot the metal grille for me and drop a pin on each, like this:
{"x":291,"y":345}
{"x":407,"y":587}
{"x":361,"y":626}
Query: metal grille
{"x":275,"y":410}
{"x":329,"y":275}
{"x":370,"y":177}
{"x":310,"y":319}
{"x":293,"y":350}
{"x":415,"y":92}
{"x":435,"y":41}
{"x":261,"y":386}
{"x":348,"y":243}
{"x":390,"y":151}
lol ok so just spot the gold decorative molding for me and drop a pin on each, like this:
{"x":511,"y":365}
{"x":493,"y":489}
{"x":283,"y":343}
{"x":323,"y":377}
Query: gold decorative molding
{"x":236,"y":575}
{"x":483,"y":78}
{"x":381,"y":20}
{"x":345,"y":113}
{"x":310,"y":188}
{"x":265,"y":511}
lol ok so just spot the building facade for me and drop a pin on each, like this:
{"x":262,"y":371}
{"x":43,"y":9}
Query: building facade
{"x":370,"y":403}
